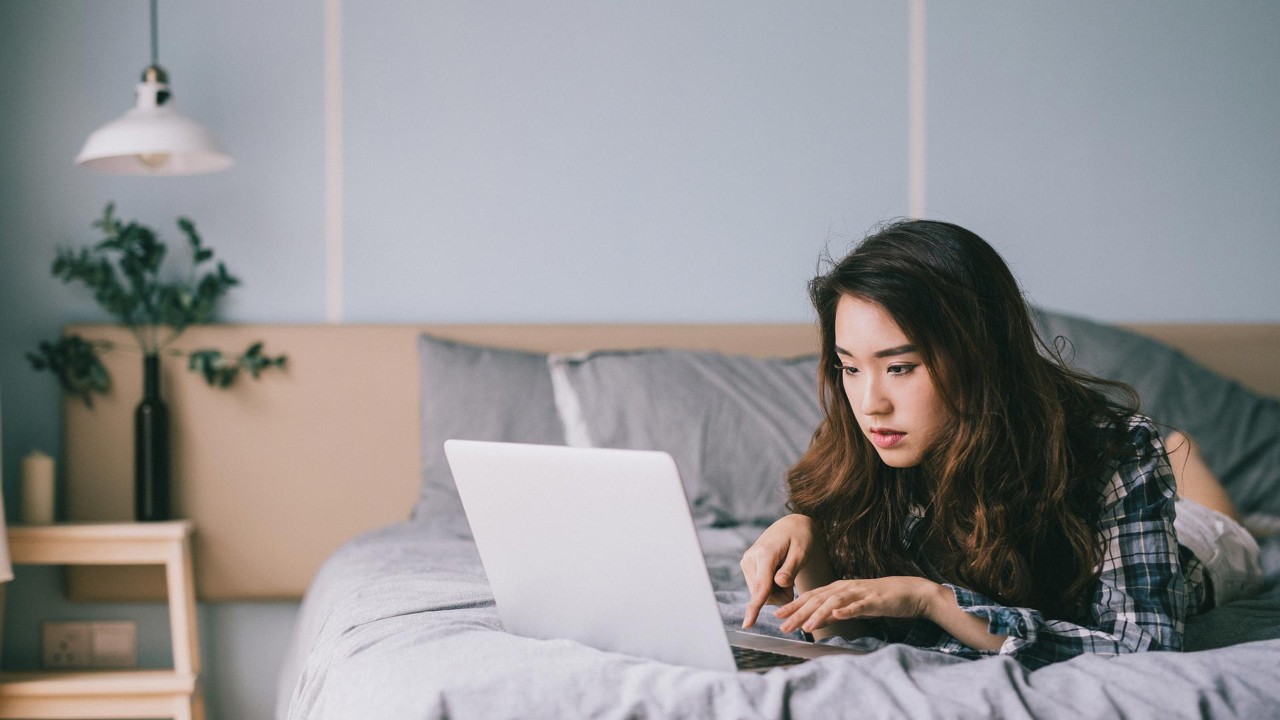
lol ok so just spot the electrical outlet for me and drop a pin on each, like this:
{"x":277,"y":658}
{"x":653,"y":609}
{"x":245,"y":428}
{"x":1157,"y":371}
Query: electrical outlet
{"x":115,"y":644}
{"x":80,"y":645}
{"x":67,"y":645}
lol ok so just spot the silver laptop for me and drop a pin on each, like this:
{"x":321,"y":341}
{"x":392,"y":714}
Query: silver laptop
{"x":599,"y":546}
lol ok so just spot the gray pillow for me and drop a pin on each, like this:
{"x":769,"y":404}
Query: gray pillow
{"x":1238,"y":430}
{"x":477,"y":393}
{"x":733,"y":424}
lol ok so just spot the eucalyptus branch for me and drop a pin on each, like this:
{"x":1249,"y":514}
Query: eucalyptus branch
{"x":221,"y":371}
{"x":123,"y":273}
{"x":75,"y":362}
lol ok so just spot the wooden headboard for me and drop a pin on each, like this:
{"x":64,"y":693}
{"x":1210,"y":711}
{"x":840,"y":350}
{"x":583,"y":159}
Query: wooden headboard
{"x":278,"y":473}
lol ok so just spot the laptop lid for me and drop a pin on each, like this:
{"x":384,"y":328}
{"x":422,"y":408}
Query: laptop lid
{"x":592,"y":545}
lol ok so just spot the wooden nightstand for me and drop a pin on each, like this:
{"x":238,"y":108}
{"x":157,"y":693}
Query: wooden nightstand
{"x":114,"y":694}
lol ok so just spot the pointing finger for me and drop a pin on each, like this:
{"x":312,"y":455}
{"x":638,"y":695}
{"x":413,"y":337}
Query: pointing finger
{"x":758,"y":597}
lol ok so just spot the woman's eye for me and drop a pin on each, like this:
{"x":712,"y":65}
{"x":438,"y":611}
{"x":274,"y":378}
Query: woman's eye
{"x":901,"y":369}
{"x":848,"y":370}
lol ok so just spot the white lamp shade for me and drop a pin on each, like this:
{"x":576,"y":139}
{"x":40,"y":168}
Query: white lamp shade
{"x":153,"y":139}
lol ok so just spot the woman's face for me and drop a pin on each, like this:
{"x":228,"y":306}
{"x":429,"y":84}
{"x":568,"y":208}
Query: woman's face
{"x":889,"y":389}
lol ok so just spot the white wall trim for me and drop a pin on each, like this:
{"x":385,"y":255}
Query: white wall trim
{"x":916,"y":183}
{"x":333,"y":271}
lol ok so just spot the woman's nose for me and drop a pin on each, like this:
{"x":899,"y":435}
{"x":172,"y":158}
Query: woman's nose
{"x":874,"y":401}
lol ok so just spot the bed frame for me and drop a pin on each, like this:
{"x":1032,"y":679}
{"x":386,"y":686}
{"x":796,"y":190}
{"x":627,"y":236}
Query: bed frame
{"x":276,"y":474}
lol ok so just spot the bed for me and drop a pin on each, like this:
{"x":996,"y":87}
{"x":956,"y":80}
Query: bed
{"x":399,"y":621}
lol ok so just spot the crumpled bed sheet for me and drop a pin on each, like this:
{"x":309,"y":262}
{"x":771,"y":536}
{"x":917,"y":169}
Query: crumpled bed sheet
{"x":400,"y":623}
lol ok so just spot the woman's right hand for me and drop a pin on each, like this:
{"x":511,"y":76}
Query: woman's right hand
{"x":772,"y":564}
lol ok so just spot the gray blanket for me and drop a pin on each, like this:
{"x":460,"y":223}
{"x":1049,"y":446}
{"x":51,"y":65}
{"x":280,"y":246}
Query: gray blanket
{"x":400,"y":624}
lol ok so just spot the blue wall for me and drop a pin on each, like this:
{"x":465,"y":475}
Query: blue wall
{"x":1122,"y":155}
{"x":666,"y":161}
{"x":527,"y":161}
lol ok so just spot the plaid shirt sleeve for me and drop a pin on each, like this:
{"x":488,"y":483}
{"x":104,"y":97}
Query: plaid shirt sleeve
{"x":1139,"y":602}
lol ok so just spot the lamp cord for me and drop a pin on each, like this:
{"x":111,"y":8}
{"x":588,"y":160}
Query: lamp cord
{"x":155,"y":37}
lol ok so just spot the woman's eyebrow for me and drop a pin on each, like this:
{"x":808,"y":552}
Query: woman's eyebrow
{"x":900,"y":350}
{"x":890,"y":352}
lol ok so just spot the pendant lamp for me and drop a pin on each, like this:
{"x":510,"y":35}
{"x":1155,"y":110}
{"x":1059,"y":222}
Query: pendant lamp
{"x":153,"y":138}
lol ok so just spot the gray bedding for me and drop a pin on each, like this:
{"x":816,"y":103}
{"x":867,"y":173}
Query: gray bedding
{"x":400,"y":624}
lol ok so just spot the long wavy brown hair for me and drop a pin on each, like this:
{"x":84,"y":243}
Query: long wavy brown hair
{"x":1012,"y":489}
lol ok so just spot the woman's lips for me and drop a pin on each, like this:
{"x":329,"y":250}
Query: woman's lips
{"x":886,"y":438}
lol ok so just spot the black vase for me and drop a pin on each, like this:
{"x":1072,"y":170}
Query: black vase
{"x":151,"y":448}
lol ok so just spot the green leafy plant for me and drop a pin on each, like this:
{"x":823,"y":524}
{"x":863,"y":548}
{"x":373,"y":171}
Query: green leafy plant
{"x":124,"y":273}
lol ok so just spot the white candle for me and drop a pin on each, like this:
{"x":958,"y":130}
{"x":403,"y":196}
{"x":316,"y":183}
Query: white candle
{"x":37,"y":488}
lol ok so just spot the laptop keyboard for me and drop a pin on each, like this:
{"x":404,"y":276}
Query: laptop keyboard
{"x":748,"y":659}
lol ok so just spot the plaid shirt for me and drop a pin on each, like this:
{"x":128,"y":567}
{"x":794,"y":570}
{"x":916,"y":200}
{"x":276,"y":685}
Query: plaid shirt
{"x":1143,"y":595}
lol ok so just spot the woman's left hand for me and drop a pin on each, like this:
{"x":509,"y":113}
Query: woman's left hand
{"x":898,"y":597}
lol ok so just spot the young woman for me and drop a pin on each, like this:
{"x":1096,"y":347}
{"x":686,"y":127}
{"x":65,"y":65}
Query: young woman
{"x":967,"y":491}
